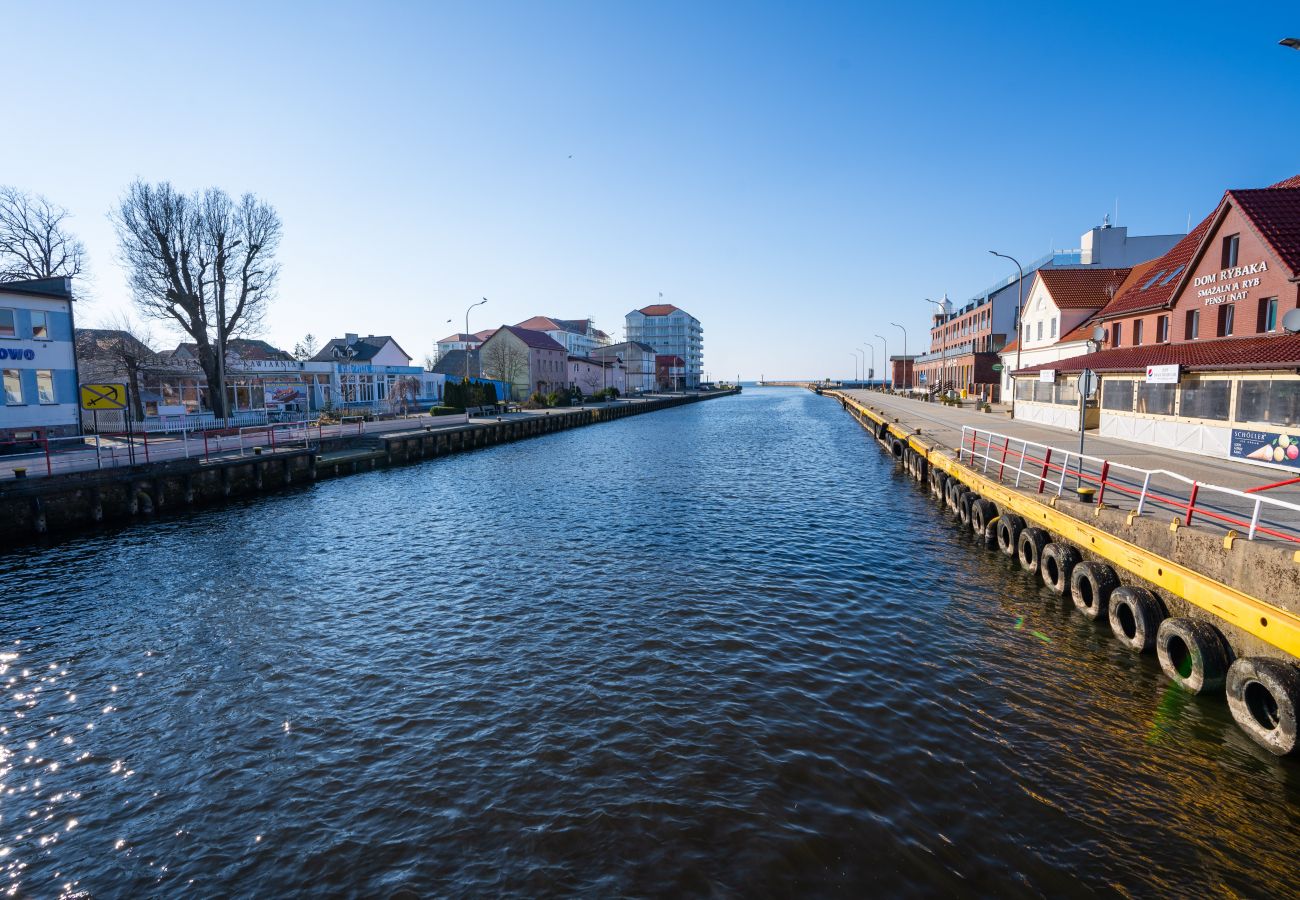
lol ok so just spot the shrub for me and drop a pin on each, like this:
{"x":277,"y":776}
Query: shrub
{"x":555,"y":398}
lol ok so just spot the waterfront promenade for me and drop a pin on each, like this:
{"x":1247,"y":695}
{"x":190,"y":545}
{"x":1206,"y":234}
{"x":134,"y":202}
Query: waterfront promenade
{"x":943,"y":424}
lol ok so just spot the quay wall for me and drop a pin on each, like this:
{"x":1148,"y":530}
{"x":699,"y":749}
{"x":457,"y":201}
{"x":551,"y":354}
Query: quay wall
{"x":31,"y":508}
{"x":1242,"y":596}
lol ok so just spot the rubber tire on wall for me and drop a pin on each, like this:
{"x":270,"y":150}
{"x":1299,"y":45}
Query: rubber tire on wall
{"x":1029,"y":548}
{"x":1264,"y":698}
{"x":981,"y":512}
{"x":1090,"y":586}
{"x":896,"y":448}
{"x":1196,"y":647}
{"x":964,"y":505}
{"x":937,"y":483}
{"x":955,"y":487}
{"x":1009,"y":527}
{"x":1139,"y":608}
{"x":1056,"y":567}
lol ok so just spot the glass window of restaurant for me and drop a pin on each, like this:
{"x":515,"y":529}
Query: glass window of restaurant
{"x":1156,"y":399}
{"x":1067,"y":391}
{"x":1271,"y":401}
{"x":1117,"y":394}
{"x":1205,"y":398}
{"x":1043,"y":391}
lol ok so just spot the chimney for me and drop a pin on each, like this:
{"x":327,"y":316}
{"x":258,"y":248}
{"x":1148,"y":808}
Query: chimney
{"x":350,"y":339}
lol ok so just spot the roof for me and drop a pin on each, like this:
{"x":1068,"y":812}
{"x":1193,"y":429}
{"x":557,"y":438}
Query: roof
{"x":667,"y":359}
{"x":1151,"y":291}
{"x":363,"y":348}
{"x":461,"y":338}
{"x":453,"y":363}
{"x":542,"y":323}
{"x":659,"y":309}
{"x":1275,"y":213}
{"x":1269,"y":351}
{"x":534,"y":339}
{"x":245,"y":348}
{"x":485,"y":333}
{"x":99,"y":342}
{"x":1082,"y":288}
{"x":60,"y":288}
{"x":630,"y":345}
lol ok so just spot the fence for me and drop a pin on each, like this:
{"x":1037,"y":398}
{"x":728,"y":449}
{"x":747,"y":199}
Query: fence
{"x":1043,"y":468}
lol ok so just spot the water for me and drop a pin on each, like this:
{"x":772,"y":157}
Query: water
{"x":723,"y":649}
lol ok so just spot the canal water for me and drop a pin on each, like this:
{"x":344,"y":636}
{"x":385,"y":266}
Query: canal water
{"x":721,"y":649}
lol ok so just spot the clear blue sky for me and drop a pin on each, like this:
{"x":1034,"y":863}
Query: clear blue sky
{"x":796,"y":175}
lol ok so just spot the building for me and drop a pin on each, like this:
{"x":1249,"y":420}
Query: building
{"x":964,"y":342}
{"x":672,"y":332}
{"x":579,"y":337}
{"x":670,"y":372}
{"x":526,"y":360}
{"x":591,"y":374}
{"x":454,"y":364}
{"x":364,"y":374}
{"x":902,"y":372}
{"x":38,"y":361}
{"x":1196,"y":352}
{"x":461,"y":341}
{"x":638,"y":363}
{"x":1058,"y":322}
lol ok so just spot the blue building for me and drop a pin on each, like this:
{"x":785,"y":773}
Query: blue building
{"x":38,"y":362}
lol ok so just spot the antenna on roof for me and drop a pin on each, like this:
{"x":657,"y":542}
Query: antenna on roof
{"x":1116,"y":210}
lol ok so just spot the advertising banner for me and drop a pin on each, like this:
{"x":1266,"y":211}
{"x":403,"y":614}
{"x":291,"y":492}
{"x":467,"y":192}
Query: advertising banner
{"x":281,"y":393}
{"x":1274,"y":447}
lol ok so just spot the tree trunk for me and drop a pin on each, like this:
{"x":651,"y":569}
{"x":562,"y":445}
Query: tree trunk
{"x":138,"y":404}
{"x":212,"y":372}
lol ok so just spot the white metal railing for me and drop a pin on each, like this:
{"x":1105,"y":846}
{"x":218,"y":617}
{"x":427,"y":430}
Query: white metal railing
{"x":1050,"y":468}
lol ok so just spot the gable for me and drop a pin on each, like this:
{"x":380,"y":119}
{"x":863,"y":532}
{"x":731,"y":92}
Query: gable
{"x":1257,"y":273}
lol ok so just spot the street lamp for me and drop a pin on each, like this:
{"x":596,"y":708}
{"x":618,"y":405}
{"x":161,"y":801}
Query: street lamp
{"x":871,"y":371}
{"x":907,"y":382}
{"x":863,"y":376}
{"x":854,"y":354}
{"x":889,"y":372}
{"x":471,"y":306}
{"x":943,"y":341}
{"x":1020,"y":310}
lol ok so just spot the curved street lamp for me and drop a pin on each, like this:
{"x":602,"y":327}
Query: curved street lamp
{"x":855,"y":364}
{"x":871,"y":371}
{"x":943,"y":341}
{"x":1020,"y":311}
{"x":471,"y":306}
{"x":888,"y":372}
{"x":907,"y":382}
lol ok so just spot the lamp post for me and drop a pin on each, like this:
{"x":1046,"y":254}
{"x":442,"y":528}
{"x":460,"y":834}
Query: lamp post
{"x":871,"y":371}
{"x":1020,"y":309}
{"x":943,"y":340}
{"x":854,"y":354}
{"x":863,"y":377}
{"x":907,"y":381}
{"x":889,"y":372}
{"x":471,"y":306}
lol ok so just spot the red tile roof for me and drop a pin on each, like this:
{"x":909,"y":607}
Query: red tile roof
{"x":460,"y":338}
{"x":1140,"y":292}
{"x":534,"y":339}
{"x":1258,"y":352}
{"x":540,"y":323}
{"x":1082,"y":288}
{"x":658,"y":309}
{"x":1275,"y":213}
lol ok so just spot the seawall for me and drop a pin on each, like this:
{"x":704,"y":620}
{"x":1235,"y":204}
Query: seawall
{"x":31,"y":508}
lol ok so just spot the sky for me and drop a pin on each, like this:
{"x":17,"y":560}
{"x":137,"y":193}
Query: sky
{"x":798,"y":176}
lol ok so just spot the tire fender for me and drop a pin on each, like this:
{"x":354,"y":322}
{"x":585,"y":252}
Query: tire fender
{"x":1009,"y":527}
{"x":1056,"y":567}
{"x":1263,"y":697}
{"x":1091,"y":584}
{"x":964,"y":505}
{"x":1193,"y":654}
{"x":1029,"y":548}
{"x":1135,"y":615}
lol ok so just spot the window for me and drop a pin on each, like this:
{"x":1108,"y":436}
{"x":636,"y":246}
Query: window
{"x":1152,"y":280}
{"x":1024,"y":389}
{"x":45,"y":386}
{"x":1193,"y":324}
{"x":1117,"y":331}
{"x":1226,"y":315}
{"x":1117,"y":394}
{"x":1267,"y":315}
{"x":1162,"y":329}
{"x":1067,"y":391}
{"x":1230,"y":246}
{"x":1040,"y":330}
{"x":1205,"y":398}
{"x":1171,"y":276}
{"x":1137,"y":332}
{"x":1053,"y":333}
{"x":7,"y":325}
{"x":1043,"y":391}
{"x":1156,"y":399}
{"x":40,"y":326}
{"x":13,"y":387}
{"x":1276,"y":402}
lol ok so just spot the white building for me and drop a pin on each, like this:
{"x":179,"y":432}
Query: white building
{"x":578,"y":337}
{"x":461,"y":341}
{"x":638,"y":363}
{"x":37,"y":360}
{"x":671,"y":332}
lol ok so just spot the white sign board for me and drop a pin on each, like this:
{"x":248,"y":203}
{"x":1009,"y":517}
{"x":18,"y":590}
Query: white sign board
{"x":1162,"y":374}
{"x":1088,"y":380}
{"x":1048,"y":375}
{"x":176,"y":410}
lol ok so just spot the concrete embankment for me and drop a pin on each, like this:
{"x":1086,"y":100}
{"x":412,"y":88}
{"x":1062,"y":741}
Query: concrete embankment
{"x":1220,"y":612}
{"x":66,"y":502}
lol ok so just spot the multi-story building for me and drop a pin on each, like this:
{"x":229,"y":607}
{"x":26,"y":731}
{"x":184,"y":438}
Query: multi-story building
{"x":964,"y":342}
{"x":1197,"y":349}
{"x":578,"y":337}
{"x":638,"y":361}
{"x":524,"y":359}
{"x":461,"y":341}
{"x":672,"y":332}
{"x":38,"y":362}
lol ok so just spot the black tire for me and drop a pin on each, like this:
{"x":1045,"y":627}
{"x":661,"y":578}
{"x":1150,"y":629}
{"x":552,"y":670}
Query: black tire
{"x":1135,"y":615}
{"x":1263,"y":697}
{"x":1193,"y":654}
{"x":1009,"y":527}
{"x":937,"y":483}
{"x":1029,"y":548}
{"x":896,"y":447}
{"x":964,"y":505}
{"x":955,"y":488}
{"x":1090,"y":586}
{"x":981,"y":513}
{"x":1056,"y":567}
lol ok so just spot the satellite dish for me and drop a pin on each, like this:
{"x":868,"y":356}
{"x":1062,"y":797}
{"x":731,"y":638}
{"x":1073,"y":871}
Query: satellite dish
{"x":1099,"y":334}
{"x":1291,"y":321}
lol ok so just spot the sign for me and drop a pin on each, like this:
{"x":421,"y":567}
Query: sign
{"x":1088,"y":382}
{"x":176,"y":409}
{"x":1278,"y":448}
{"x":17,"y":353}
{"x":1162,"y":374}
{"x":99,"y":397}
{"x":278,"y":393}
{"x":1228,"y":285}
{"x":997,"y":367}
{"x":1047,"y":375}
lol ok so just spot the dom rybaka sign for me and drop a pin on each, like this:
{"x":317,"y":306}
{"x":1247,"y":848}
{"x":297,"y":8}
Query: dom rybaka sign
{"x":1229,"y":285}
{"x":1278,"y":448}
{"x":1162,"y":374}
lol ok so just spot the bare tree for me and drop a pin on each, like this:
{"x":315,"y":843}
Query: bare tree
{"x":591,"y":380}
{"x":34,"y":238}
{"x":306,"y":348}
{"x":403,"y":393}
{"x":504,"y":361}
{"x":200,"y":261}
{"x":117,"y":350}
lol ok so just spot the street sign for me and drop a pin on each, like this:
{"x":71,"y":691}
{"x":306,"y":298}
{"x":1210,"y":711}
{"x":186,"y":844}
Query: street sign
{"x":1048,"y":375}
{"x":99,"y":397}
{"x":1162,"y":374}
{"x":997,"y":367}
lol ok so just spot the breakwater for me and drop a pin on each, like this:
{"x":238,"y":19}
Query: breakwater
{"x":67,"y":501}
{"x":1222,"y":614}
